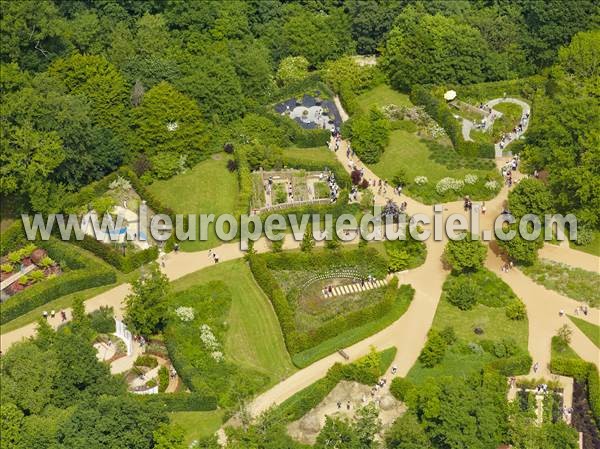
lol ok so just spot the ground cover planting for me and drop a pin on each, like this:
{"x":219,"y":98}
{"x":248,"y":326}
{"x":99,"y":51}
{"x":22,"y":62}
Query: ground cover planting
{"x":581,"y":285}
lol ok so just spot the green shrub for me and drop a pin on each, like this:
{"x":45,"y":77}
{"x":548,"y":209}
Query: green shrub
{"x":516,"y":310}
{"x":448,"y":335}
{"x":434,"y":350}
{"x":512,"y":366}
{"x":102,"y":320}
{"x":462,"y":293}
{"x":146,"y":360}
{"x":163,"y":379}
{"x":401,"y":387}
{"x":6,"y":268}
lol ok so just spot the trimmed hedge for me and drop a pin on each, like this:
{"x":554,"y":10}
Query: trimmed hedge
{"x":181,"y":402}
{"x":12,"y":238}
{"x":86,"y":273}
{"x":582,"y":371}
{"x":113,"y":256}
{"x":244,"y":180}
{"x":512,"y":366}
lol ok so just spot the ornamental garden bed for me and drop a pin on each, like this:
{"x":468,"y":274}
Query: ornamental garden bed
{"x":34,"y":264}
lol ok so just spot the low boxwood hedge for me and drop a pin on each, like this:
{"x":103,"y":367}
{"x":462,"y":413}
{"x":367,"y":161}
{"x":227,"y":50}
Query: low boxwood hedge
{"x":181,"y":402}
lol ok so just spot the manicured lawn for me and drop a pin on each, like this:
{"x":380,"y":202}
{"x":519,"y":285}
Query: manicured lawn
{"x":581,"y":285}
{"x":406,"y":151}
{"x":207,"y":188}
{"x":316,"y":154}
{"x":562,"y":351}
{"x":254,"y":337}
{"x":592,"y":248}
{"x":382,"y":95}
{"x":197,"y":424}
{"x":591,"y":331}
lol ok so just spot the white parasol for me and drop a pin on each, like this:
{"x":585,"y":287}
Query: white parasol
{"x":450,"y":95}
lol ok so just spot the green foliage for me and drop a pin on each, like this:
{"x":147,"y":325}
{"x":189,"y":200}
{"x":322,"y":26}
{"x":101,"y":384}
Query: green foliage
{"x":146,"y":306}
{"x":146,"y":360}
{"x":466,"y":254}
{"x":163,"y":379}
{"x":530,"y":196}
{"x":102,"y":320}
{"x":369,"y":134}
{"x":433,"y":351}
{"x":516,"y":311}
{"x":308,"y":241}
{"x":462,"y":293}
{"x":407,"y":433}
{"x":401,"y":388}
{"x":520,"y":250}
{"x":434,"y":49}
{"x":292,"y":69}
{"x":167,"y":122}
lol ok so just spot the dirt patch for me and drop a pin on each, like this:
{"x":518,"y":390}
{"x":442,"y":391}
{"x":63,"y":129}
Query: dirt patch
{"x":344,"y":401}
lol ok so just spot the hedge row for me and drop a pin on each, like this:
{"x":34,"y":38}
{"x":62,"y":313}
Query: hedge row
{"x":438,"y":110}
{"x":512,"y":366}
{"x":244,"y":180}
{"x":483,"y":92}
{"x":86,"y":273}
{"x":297,"y":341}
{"x":112,"y":255}
{"x":582,"y":371}
{"x":181,"y":402}
{"x":366,"y":370}
{"x":12,"y":238}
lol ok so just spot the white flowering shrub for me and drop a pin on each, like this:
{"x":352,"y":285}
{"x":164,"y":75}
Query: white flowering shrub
{"x":448,"y":183}
{"x":211,"y":343}
{"x":491,"y":185}
{"x":120,"y":184}
{"x":471,"y":179}
{"x":393,"y":112}
{"x":421,"y":180}
{"x":185,"y":313}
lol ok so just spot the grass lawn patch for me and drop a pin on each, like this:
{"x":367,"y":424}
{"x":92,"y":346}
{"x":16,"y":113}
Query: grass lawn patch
{"x":471,"y":351}
{"x":197,"y":425}
{"x":562,"y":350}
{"x":253,"y":337}
{"x":380,"y":96}
{"x":591,"y":331}
{"x":591,"y":248}
{"x":414,"y":156}
{"x":581,"y":285}
{"x":206,"y":188}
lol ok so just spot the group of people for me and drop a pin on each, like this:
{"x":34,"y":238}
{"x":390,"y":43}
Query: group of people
{"x":52,"y":314}
{"x":516,"y":132}
{"x":582,"y":309}
{"x":213,"y":255}
{"x":334,"y":189}
{"x":507,"y":267}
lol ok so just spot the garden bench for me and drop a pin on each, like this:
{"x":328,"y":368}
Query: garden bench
{"x":343,"y":354}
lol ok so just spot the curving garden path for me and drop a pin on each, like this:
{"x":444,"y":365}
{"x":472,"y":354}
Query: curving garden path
{"x":409,"y":332}
{"x":468,"y":125}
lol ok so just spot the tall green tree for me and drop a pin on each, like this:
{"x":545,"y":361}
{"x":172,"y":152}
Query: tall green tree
{"x":466,"y":254}
{"x":147,"y":305}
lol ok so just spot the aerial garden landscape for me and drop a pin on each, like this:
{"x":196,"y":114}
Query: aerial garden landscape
{"x":133,"y":112}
